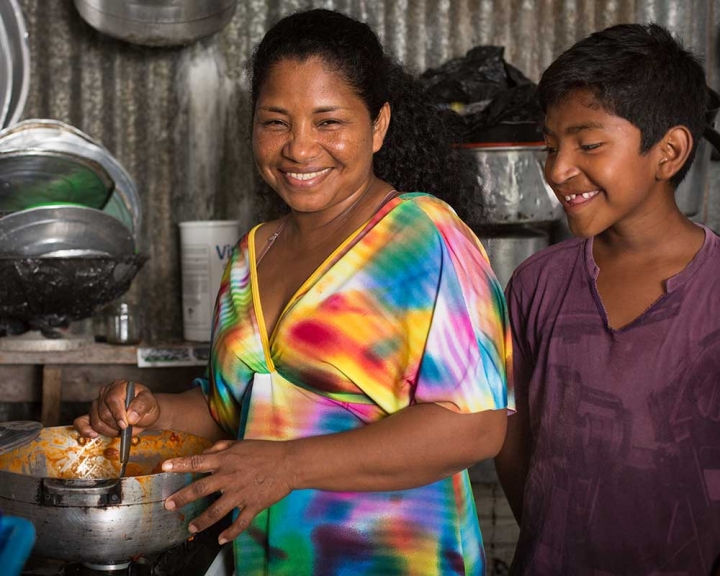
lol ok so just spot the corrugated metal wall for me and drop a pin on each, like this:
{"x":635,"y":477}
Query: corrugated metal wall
{"x":177,"y":118}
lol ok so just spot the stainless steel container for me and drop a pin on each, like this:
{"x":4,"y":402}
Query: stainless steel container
{"x":157,"y":22}
{"x":82,"y":511}
{"x":63,"y":231}
{"x":511,"y":183}
{"x":508,"y":248}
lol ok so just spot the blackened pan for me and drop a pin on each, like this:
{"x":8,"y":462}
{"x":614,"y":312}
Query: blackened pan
{"x":46,"y":293}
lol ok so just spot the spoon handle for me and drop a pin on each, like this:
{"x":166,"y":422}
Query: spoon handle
{"x":126,"y":435}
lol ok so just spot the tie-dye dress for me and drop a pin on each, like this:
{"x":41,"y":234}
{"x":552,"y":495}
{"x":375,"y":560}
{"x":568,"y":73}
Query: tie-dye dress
{"x":406,"y":310}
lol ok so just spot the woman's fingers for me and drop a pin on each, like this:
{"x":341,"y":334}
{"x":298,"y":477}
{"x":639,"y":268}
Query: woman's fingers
{"x":219,"y":446}
{"x":114,"y":400}
{"x":199,"y":489}
{"x":241,"y":523}
{"x":82,"y":425}
{"x":143,"y":410}
{"x":108,"y":416}
{"x":214,"y":513}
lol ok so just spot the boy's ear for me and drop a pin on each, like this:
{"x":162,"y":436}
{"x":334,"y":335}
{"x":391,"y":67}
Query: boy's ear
{"x":675,"y":147}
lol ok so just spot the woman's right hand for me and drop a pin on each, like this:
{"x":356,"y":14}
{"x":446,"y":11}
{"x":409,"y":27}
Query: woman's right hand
{"x":108,"y":415}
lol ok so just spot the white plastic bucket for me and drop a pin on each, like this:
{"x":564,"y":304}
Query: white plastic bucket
{"x":205,"y":248}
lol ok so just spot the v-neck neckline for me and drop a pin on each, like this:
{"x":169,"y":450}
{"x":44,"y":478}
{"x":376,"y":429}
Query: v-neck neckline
{"x":671,"y":284}
{"x":324,"y":266}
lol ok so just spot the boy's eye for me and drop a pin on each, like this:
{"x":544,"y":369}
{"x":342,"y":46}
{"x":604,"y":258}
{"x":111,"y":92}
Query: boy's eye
{"x":590,"y":146}
{"x":549,"y":150}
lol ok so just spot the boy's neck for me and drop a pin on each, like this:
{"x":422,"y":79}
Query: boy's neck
{"x":668,"y":233}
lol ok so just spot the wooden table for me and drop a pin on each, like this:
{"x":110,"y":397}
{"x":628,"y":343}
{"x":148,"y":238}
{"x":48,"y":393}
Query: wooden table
{"x":52,"y":362}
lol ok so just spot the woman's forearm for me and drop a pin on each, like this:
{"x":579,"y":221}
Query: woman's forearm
{"x":188,"y":412}
{"x":417,"y":446}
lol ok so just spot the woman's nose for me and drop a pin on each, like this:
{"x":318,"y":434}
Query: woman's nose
{"x":301,"y":144}
{"x":560,"y":167}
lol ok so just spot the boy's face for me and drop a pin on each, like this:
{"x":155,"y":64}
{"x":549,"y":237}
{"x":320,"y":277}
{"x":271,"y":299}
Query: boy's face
{"x":595,"y":167}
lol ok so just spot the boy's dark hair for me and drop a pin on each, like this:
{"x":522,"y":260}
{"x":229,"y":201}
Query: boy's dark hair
{"x":638,"y":72}
{"x":416,"y":154}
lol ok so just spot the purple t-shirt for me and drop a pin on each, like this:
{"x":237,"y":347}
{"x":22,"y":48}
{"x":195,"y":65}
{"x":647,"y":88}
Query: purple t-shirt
{"x":624,"y":476}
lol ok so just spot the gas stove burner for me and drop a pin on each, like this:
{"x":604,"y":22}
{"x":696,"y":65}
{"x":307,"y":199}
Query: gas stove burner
{"x":105,"y":568}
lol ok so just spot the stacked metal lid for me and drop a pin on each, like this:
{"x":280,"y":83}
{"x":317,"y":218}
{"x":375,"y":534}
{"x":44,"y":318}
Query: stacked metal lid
{"x":53,"y":172}
{"x":14,"y":63}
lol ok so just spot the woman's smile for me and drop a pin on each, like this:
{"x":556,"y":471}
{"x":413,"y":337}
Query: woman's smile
{"x":313,"y":137}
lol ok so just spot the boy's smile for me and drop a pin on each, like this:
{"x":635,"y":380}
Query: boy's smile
{"x":595,"y":167}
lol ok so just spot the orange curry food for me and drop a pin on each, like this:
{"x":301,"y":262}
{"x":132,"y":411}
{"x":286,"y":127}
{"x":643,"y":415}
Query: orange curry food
{"x":62,"y":453}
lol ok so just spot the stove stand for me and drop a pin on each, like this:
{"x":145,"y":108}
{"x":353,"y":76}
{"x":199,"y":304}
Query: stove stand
{"x":194,"y":557}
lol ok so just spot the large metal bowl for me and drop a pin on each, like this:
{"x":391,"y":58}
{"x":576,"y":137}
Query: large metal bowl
{"x":80,"y":508}
{"x":157,"y":22}
{"x":61,"y":231}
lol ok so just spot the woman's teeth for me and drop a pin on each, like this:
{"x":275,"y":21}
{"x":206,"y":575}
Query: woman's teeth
{"x":585,"y":195}
{"x":306,"y":175}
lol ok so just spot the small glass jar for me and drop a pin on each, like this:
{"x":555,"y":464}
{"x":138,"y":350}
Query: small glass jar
{"x":123,"y":325}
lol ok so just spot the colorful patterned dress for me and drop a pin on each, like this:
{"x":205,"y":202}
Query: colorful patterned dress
{"x":406,"y":310}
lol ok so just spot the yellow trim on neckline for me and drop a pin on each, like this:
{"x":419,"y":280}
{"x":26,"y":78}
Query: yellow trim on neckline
{"x":257,"y":305}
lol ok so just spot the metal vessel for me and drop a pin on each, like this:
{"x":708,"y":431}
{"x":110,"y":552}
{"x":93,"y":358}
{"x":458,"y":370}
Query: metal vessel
{"x":157,"y":22}
{"x":512,"y":186}
{"x":62,"y":483}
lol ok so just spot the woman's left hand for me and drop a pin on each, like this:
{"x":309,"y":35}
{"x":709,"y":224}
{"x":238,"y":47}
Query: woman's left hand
{"x":250,"y":475}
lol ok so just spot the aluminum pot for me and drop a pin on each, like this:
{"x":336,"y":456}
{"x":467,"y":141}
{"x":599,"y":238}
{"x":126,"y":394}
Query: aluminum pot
{"x":82,"y":511}
{"x":157,"y":22}
{"x":511,"y":184}
{"x":507,"y":249}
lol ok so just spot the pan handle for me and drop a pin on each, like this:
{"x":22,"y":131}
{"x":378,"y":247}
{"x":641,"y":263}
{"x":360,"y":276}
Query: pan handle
{"x":81,"y":492}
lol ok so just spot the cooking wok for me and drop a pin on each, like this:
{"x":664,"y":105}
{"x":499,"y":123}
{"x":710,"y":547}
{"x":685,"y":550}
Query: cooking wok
{"x":45,"y":293}
{"x":82,"y":511}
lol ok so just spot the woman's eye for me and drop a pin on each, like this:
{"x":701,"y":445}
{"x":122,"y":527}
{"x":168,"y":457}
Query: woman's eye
{"x":272,"y":123}
{"x":549,"y":150}
{"x":329,"y":122}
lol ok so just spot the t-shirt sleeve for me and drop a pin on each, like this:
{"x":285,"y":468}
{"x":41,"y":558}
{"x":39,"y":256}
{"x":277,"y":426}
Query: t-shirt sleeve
{"x":523,"y":363}
{"x":221,"y":395}
{"x":467,"y":360}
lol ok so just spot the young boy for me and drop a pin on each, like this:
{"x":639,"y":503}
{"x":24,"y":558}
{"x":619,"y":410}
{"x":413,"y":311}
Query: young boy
{"x":612,"y":462}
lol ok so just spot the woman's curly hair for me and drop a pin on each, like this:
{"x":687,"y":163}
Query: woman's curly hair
{"x":417,"y":154}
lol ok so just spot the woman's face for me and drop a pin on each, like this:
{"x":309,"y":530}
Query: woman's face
{"x":313,"y":138}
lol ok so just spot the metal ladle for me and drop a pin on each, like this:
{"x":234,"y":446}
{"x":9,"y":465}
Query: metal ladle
{"x":126,"y":434}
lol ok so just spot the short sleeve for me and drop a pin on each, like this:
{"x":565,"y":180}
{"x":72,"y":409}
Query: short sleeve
{"x":523,"y":364}
{"x":224,"y":388}
{"x":467,"y":360}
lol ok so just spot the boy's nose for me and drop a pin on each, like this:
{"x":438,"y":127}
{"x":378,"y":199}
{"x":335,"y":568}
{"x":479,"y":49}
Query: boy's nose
{"x":559,"y":168}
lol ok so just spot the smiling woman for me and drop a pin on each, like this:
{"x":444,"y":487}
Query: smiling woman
{"x":360,"y":347}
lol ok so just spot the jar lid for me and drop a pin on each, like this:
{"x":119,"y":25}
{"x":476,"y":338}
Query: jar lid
{"x":18,"y":433}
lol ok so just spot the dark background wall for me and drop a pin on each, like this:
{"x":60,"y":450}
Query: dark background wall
{"x":176,"y":118}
